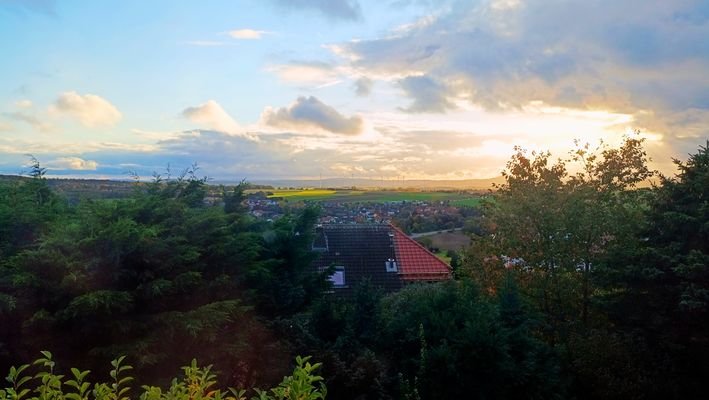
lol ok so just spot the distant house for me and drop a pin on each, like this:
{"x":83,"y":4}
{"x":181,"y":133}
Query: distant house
{"x":379,"y":252}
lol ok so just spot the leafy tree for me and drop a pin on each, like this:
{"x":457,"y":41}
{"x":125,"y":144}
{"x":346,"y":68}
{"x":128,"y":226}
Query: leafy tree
{"x":553,"y":221}
{"x":456,"y":261}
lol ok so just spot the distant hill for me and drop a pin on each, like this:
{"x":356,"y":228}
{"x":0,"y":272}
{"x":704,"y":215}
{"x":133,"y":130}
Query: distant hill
{"x":470,"y":184}
{"x":75,"y":189}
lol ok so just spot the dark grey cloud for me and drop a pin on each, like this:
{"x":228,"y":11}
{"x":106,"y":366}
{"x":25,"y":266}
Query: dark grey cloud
{"x":335,"y":9}
{"x":645,"y":59}
{"x":623,"y":56}
{"x":427,"y":95}
{"x":363,"y":86}
{"x":309,"y":112}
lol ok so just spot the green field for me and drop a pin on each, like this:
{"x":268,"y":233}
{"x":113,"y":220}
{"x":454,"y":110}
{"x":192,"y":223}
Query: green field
{"x":459,"y":199}
{"x":295,"y":195}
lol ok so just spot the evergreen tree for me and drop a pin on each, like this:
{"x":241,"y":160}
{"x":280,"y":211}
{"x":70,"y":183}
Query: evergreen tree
{"x":161,"y":277}
{"x":448,"y":341}
{"x":658,"y":289}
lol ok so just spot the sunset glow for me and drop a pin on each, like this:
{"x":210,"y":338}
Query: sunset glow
{"x":374,"y":89}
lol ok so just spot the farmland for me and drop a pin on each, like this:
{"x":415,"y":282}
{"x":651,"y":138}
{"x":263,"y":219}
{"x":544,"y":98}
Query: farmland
{"x":293,"y":195}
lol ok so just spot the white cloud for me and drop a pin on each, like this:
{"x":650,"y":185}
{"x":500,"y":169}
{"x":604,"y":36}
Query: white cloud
{"x":23,"y":103}
{"x":211,"y":115}
{"x":89,"y":109}
{"x":73,"y":163}
{"x":310,"y":113}
{"x":154,"y":135}
{"x":306,"y":72}
{"x":247,"y":34}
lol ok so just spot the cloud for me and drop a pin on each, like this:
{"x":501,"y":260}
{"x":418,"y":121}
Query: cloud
{"x":427,"y":94}
{"x":306,"y":72}
{"x":72,"y":163}
{"x":461,"y":144}
{"x":90,"y":110}
{"x":5,"y":127}
{"x":246,"y":34}
{"x":308,"y":113}
{"x":153,"y":135}
{"x":419,"y":154}
{"x":628,"y":57}
{"x":363,"y":86}
{"x":26,"y":114}
{"x":31,"y":119}
{"x":23,"y":104}
{"x":335,"y":9}
{"x":212,"y":116}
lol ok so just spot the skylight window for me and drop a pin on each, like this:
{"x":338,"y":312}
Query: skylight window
{"x":338,"y":277}
{"x":391,"y":265}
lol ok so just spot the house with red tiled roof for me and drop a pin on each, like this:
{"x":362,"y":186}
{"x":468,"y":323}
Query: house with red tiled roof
{"x":381,"y":253}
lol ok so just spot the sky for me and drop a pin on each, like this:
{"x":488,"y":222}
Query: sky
{"x":383,"y":89}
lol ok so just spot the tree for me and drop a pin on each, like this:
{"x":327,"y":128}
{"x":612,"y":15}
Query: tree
{"x":285,"y":283}
{"x":27,"y":207}
{"x":657,"y":289}
{"x":343,"y":333}
{"x":448,"y":341}
{"x":553,"y":221}
{"x":159,"y":276}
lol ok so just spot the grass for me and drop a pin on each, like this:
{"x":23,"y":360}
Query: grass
{"x":445,"y":241}
{"x":443,"y":256}
{"x":471,"y":202}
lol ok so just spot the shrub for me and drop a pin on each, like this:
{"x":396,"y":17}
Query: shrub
{"x":198,"y":383}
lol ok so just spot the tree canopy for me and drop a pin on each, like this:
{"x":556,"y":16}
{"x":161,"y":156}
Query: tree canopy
{"x":582,"y":281}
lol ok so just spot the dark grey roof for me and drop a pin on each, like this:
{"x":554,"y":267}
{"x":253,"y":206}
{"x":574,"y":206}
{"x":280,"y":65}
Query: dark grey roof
{"x":362,"y":250}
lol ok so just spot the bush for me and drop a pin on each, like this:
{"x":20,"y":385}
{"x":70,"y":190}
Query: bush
{"x":198,"y":383}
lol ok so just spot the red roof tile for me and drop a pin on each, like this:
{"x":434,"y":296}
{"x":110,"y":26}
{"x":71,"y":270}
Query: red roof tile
{"x":415,"y":262}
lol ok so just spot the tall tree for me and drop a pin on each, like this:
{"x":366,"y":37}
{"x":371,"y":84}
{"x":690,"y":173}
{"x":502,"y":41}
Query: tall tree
{"x":285,"y":283}
{"x":448,"y":341}
{"x":658,"y":289}
{"x":159,"y":277}
{"x":553,"y":221}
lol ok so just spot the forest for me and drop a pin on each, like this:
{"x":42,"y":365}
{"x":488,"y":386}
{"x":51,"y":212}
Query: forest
{"x":582,"y":281}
